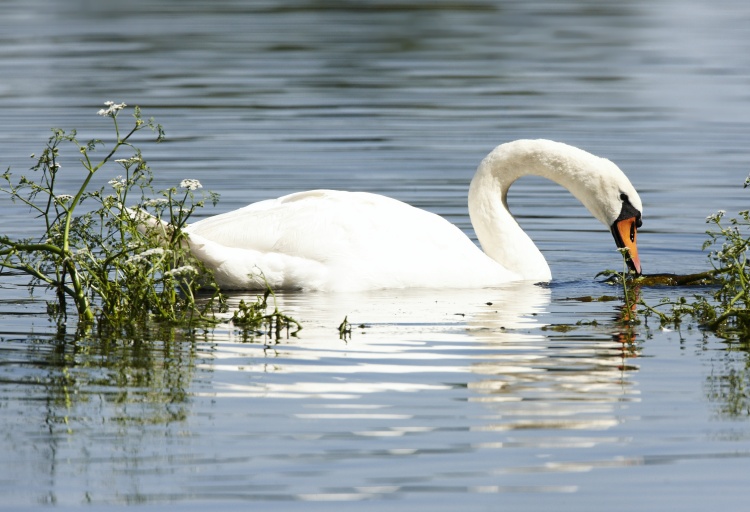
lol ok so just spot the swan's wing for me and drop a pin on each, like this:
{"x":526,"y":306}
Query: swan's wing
{"x":324,"y":224}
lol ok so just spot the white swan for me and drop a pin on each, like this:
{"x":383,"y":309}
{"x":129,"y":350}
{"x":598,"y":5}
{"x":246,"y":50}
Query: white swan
{"x":336,"y":241}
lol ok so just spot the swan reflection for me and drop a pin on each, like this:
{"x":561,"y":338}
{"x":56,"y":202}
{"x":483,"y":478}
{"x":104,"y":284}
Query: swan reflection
{"x":432,"y":374}
{"x":488,"y":342}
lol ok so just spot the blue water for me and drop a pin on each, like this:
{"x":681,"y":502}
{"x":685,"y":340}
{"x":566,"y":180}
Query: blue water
{"x":441,"y":401}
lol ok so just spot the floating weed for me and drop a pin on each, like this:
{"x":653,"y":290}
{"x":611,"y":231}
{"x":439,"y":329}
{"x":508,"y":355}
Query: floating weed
{"x":591,"y":298}
{"x":345,"y":329}
{"x":253,"y":318}
{"x":559,"y":327}
{"x":592,"y":323}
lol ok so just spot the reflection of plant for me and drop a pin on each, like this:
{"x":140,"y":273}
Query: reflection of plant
{"x":99,"y":255}
{"x":140,"y":381}
{"x":729,"y":387}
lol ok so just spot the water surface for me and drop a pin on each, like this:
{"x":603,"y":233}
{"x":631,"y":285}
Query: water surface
{"x":439,"y":401}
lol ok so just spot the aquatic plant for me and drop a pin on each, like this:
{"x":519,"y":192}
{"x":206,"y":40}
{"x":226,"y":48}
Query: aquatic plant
{"x":93,"y":252}
{"x":629,"y":283}
{"x":724,"y":308}
{"x":345,"y":329}
{"x":629,"y":294}
{"x":252,"y":316}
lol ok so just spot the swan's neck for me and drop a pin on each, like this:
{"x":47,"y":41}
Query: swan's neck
{"x":501,"y":237}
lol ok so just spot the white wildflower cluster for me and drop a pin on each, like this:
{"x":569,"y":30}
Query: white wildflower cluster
{"x":63,"y":198}
{"x":159,"y":201}
{"x":112,"y":108}
{"x":190,"y":184}
{"x":728,"y":251}
{"x":181,"y":271}
{"x":118,"y":183}
{"x":138,"y":258}
{"x":716,"y":216}
{"x":127,"y":162}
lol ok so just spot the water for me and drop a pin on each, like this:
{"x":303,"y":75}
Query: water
{"x":442,"y":400}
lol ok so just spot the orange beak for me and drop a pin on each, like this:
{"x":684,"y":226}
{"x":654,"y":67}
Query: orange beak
{"x":624,"y":232}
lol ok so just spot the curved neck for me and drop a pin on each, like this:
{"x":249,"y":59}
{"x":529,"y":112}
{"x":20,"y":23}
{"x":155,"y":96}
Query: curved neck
{"x":501,"y":237}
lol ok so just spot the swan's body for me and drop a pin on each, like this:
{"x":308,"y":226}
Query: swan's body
{"x":332,"y":240}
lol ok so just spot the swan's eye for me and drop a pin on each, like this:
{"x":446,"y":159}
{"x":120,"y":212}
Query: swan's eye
{"x":623,"y":197}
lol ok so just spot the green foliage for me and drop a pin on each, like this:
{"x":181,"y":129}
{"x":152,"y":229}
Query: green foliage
{"x":725,"y":311}
{"x":97,"y":254}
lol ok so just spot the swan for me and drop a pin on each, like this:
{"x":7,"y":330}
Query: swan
{"x":346,"y":241}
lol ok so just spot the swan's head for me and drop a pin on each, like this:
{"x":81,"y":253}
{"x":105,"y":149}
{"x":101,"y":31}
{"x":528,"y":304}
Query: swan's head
{"x":624,"y":230}
{"x":599,"y":184}
{"x":611,"y":198}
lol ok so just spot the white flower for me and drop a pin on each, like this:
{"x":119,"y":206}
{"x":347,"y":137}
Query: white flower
{"x":137,"y":258}
{"x":151,"y":252}
{"x":118,"y":183}
{"x":127,"y":162}
{"x":112,"y":108}
{"x":716,"y":216}
{"x":63,"y":198}
{"x":155,"y":202}
{"x":179,"y":271}
{"x":191,"y":184}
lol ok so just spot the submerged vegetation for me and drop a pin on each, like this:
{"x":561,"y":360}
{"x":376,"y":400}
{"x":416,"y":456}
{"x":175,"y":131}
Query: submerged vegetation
{"x":95,"y":253}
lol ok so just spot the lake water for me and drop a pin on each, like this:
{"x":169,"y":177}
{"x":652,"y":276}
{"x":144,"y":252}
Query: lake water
{"x":441,"y":401}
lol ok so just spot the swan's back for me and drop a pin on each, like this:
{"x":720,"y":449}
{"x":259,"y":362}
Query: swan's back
{"x":333,"y":240}
{"x":317,"y":224}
